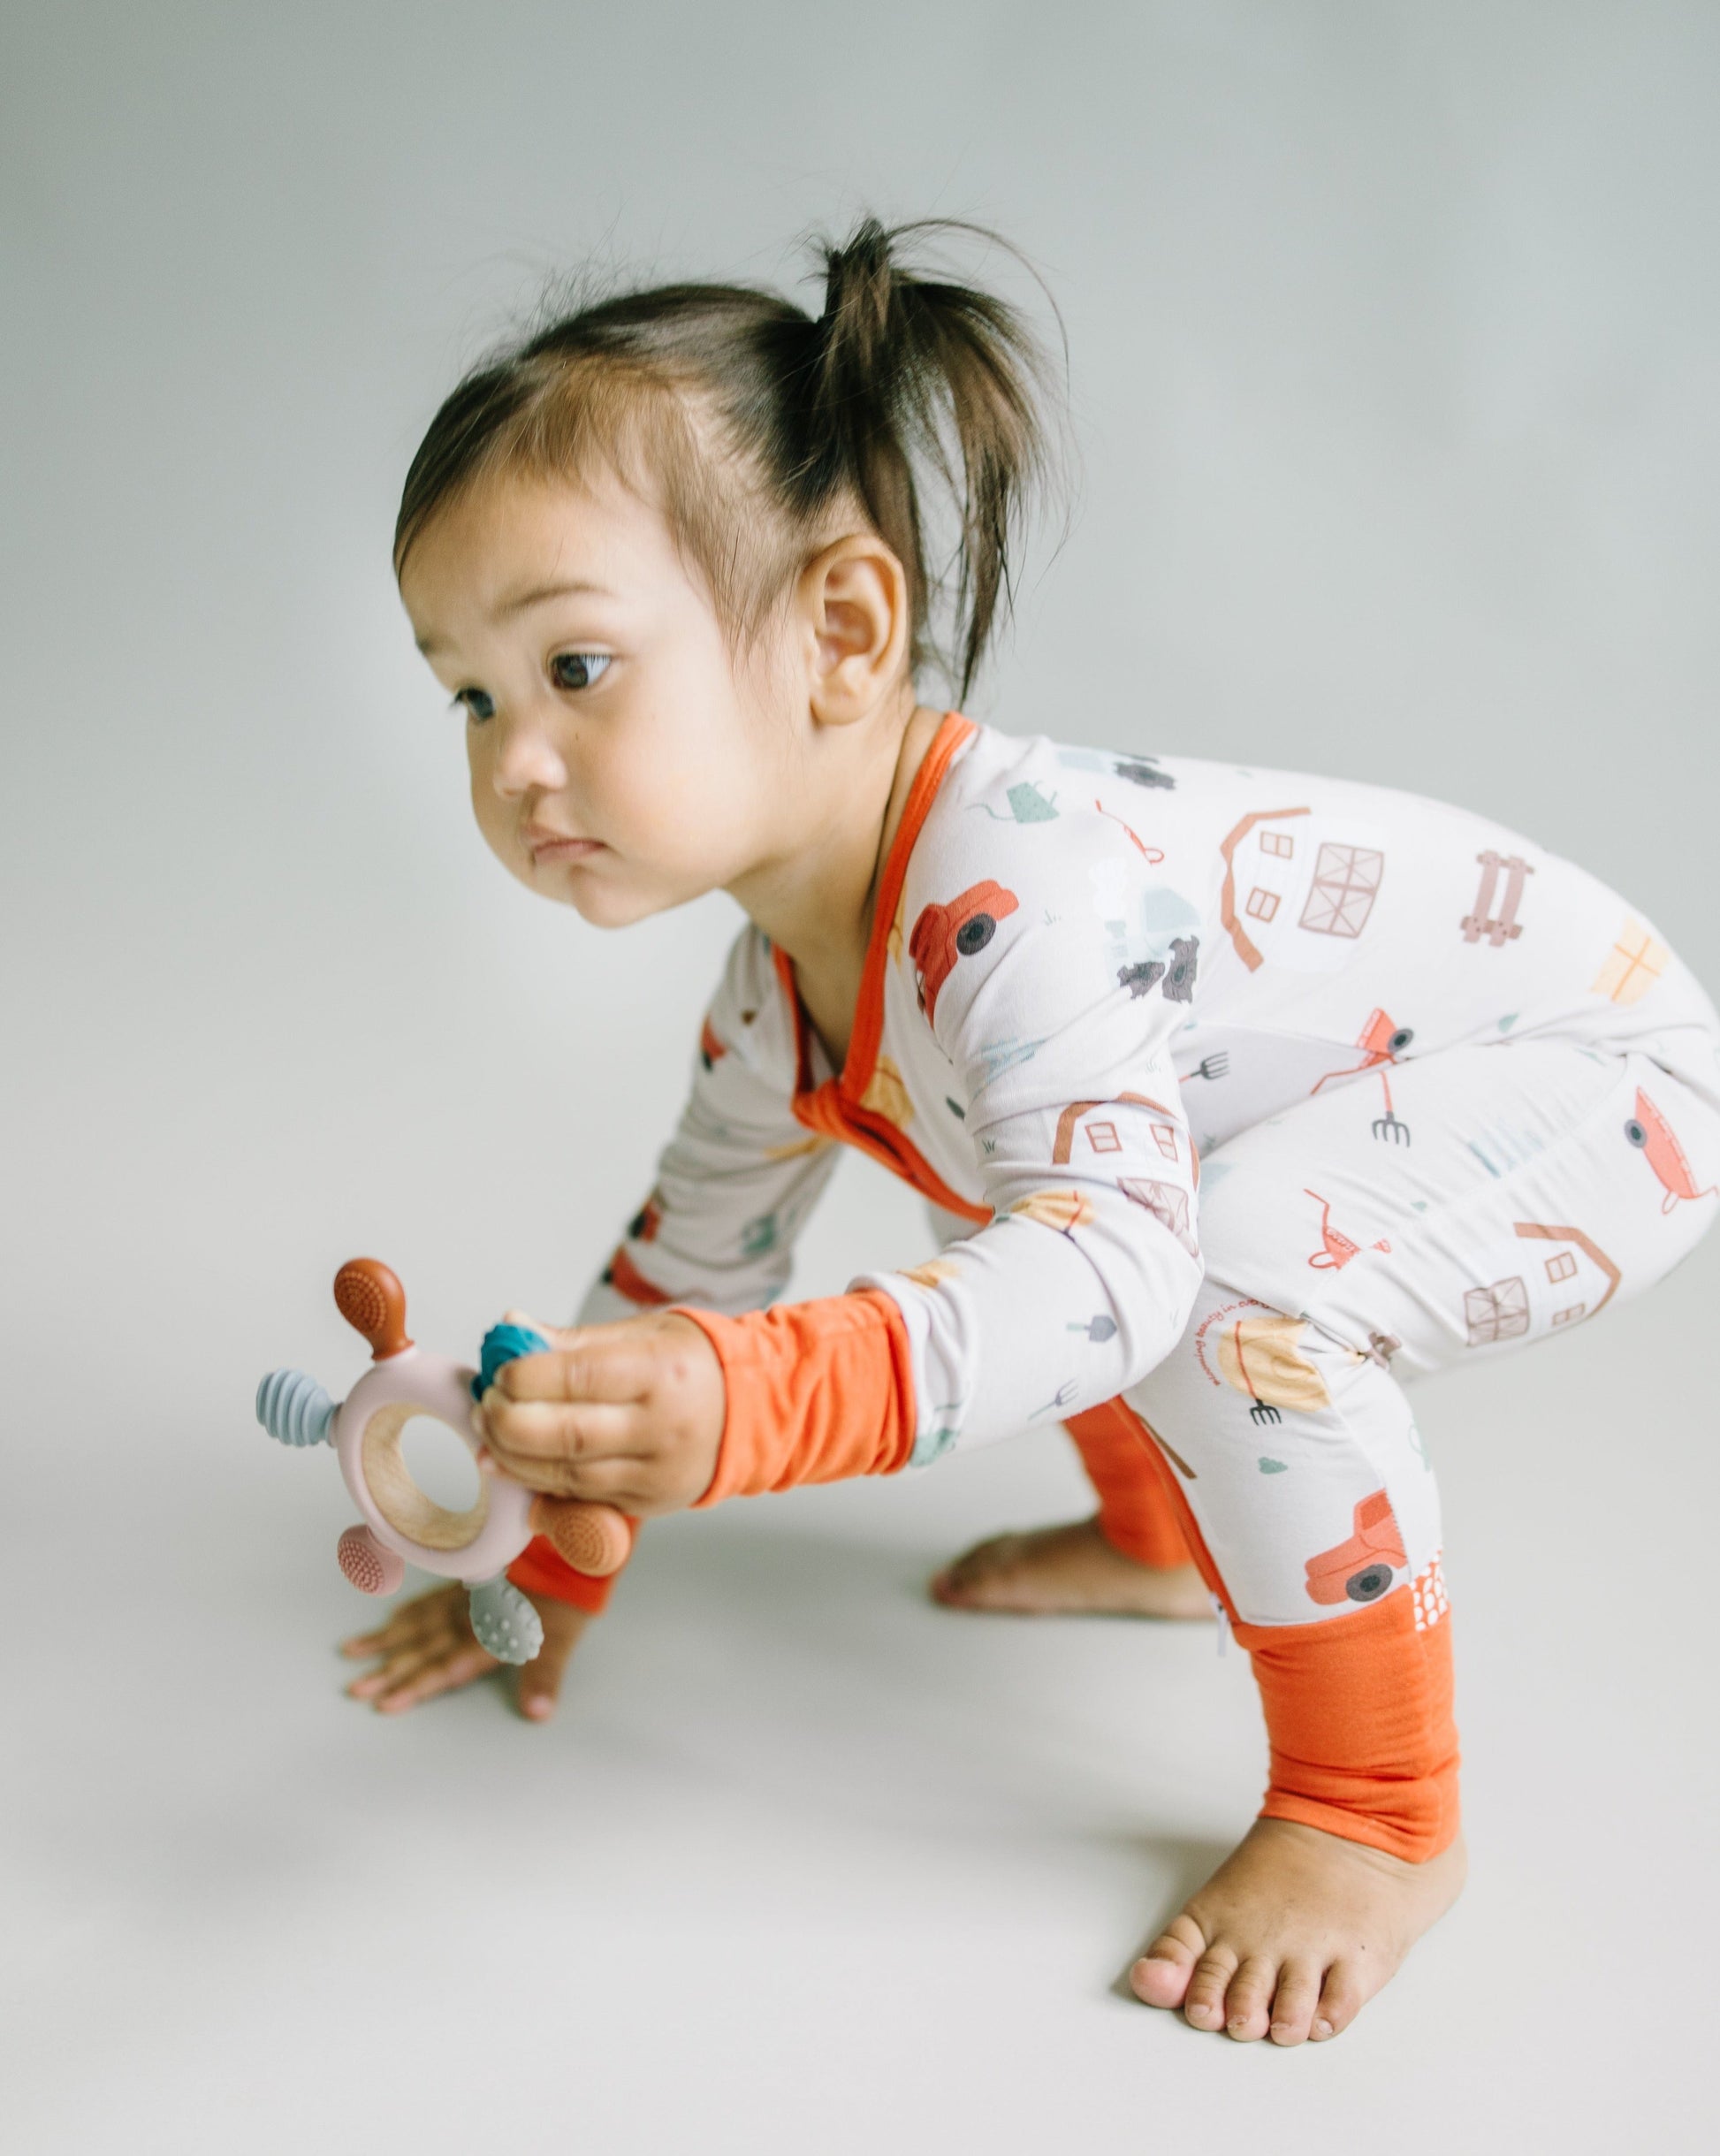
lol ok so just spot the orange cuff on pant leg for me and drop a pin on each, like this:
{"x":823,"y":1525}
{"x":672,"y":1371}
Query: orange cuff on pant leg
{"x":1136,"y":1515}
{"x":817,"y":1391}
{"x":1358,"y":1709}
{"x":1359,"y":1718}
{"x":541,"y":1569}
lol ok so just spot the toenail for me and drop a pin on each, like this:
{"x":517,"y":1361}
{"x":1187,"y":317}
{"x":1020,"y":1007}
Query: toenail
{"x":1321,"y":2029}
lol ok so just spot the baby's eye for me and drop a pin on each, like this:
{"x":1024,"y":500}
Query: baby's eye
{"x":578,"y":669}
{"x":477,"y":704}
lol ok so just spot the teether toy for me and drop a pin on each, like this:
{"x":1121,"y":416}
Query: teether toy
{"x":400,"y":1519}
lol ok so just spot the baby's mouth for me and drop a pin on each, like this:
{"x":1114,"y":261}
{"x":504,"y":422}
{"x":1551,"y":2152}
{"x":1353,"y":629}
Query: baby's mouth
{"x":543,"y":845}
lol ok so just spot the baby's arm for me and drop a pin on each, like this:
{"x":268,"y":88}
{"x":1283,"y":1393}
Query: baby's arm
{"x":735,"y":1182}
{"x":732,"y":1188}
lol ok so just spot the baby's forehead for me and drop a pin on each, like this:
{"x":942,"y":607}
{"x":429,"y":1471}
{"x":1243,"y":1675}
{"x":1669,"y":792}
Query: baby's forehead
{"x":510,"y":540}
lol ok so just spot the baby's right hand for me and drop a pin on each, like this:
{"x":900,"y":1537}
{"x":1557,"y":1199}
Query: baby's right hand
{"x":427,"y":1646}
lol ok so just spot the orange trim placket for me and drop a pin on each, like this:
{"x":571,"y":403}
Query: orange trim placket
{"x":625,"y":1278}
{"x":835,"y":1108}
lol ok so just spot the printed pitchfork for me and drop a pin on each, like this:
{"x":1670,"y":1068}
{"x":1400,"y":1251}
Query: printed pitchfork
{"x":1390,"y":1125}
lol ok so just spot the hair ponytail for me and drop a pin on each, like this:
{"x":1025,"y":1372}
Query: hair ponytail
{"x":942,"y":376}
{"x":730,"y":399}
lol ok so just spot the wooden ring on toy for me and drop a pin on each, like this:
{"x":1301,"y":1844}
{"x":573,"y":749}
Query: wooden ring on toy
{"x":407,"y":1508}
{"x":470,"y":1545}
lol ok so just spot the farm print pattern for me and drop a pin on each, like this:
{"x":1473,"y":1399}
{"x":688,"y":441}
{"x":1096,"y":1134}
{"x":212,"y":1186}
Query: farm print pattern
{"x":1239,"y":1097}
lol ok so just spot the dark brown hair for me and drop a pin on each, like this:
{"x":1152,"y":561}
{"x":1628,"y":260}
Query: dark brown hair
{"x":757,"y":429}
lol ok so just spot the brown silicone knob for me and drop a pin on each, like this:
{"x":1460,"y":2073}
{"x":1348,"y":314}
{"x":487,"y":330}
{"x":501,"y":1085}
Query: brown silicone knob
{"x":593,"y":1538}
{"x":371,"y":1300}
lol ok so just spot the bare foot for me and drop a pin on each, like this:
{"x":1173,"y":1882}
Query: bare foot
{"x":1074,"y":1568}
{"x":1294,"y":1933}
{"x":427,"y":1648}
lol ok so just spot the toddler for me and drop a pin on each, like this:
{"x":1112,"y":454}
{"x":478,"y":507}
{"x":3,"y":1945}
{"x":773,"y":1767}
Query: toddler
{"x":1236,"y":1096}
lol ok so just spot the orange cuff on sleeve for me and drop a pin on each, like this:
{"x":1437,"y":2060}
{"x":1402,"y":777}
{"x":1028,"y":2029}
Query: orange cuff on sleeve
{"x":1136,"y":1514}
{"x":541,"y":1569}
{"x":817,"y":1391}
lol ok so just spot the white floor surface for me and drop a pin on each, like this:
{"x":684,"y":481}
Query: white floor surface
{"x":808,"y":1865}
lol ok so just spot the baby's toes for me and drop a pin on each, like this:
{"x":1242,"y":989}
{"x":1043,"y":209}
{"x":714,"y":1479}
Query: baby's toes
{"x":1342,"y":1998}
{"x":1208,"y":1987}
{"x":1293,"y":2002}
{"x":1248,"y":1999}
{"x":1161,"y":1976}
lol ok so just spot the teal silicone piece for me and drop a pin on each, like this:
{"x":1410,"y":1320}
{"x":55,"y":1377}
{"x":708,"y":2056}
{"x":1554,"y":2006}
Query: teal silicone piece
{"x":504,"y":1343}
{"x":294,"y":1409}
{"x":504,"y":1623}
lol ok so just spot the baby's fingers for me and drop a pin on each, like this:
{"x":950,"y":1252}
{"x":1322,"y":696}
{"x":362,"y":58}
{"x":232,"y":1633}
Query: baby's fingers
{"x":417,"y":1675}
{"x":527,"y":1436}
{"x":600,"y":1363}
{"x":403,"y":1628}
{"x":403,"y":1663}
{"x":442,"y":1611}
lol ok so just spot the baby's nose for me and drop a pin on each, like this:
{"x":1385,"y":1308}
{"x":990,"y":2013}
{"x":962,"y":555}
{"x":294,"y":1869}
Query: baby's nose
{"x":526,"y":758}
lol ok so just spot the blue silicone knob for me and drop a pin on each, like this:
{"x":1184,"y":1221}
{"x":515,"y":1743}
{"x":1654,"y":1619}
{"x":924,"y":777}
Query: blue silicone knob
{"x":294,"y":1409}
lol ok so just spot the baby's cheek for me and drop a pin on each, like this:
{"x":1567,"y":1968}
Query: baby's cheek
{"x":699,"y":805}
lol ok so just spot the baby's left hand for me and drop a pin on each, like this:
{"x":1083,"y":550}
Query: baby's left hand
{"x":628,"y":1414}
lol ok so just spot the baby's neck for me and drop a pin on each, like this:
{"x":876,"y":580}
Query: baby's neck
{"x":819,"y":907}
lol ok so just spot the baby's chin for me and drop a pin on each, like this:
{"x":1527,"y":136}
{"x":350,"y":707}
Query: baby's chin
{"x":608,"y":889}
{"x":612,"y":908}
{"x":607,"y":899}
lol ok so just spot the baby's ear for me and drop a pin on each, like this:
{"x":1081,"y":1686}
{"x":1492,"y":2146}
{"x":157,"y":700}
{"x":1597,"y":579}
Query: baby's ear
{"x":855,"y":595}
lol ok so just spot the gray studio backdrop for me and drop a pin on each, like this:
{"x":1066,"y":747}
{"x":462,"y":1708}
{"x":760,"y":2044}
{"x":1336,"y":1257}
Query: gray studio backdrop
{"x":1393,"y":339}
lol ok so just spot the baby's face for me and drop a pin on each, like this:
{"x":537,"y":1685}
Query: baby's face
{"x":621,"y":761}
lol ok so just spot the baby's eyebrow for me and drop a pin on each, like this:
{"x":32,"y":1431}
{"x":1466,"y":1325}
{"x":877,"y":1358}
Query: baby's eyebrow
{"x":517,"y":602}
